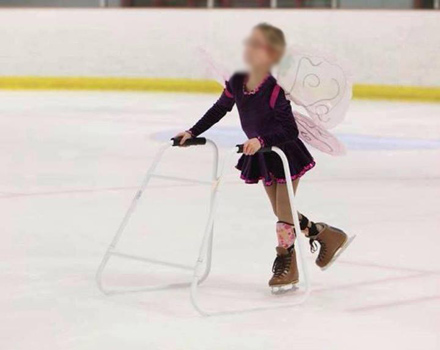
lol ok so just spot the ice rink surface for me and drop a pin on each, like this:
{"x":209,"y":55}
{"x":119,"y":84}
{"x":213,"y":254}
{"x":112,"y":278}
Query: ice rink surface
{"x":71,"y":163}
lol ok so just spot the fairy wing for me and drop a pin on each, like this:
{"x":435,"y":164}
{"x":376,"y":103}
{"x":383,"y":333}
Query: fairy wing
{"x":319,"y":83}
{"x":213,"y":68}
{"x":317,"y":136}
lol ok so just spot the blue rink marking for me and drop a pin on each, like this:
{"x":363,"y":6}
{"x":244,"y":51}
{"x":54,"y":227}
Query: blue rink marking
{"x":229,"y":136}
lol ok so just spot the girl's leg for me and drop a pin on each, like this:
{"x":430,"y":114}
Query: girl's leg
{"x":272,"y":194}
{"x":285,"y":268}
{"x":332,"y":240}
{"x":284,"y":212}
{"x":284,"y":227}
{"x":283,"y":204}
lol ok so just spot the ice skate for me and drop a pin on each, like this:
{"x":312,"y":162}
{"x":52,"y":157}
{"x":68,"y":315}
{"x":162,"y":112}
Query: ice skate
{"x":332,"y":241}
{"x":285,"y":271}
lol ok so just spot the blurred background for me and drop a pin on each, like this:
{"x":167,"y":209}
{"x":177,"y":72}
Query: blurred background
{"x":349,"y":4}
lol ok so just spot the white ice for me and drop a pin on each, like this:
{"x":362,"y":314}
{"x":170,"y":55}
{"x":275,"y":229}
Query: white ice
{"x":71,"y":163}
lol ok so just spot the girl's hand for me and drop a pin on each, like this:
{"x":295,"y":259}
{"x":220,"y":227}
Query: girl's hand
{"x":185,"y":135}
{"x":251,"y":146}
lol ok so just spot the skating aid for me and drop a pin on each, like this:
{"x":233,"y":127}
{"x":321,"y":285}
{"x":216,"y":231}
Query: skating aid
{"x":113,"y":252}
{"x":202,"y":267}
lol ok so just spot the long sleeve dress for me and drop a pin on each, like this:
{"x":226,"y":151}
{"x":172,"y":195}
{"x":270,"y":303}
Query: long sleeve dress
{"x":272,"y":122}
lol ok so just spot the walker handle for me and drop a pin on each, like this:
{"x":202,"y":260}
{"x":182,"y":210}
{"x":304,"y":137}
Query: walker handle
{"x":195,"y":141}
{"x":261,"y":150}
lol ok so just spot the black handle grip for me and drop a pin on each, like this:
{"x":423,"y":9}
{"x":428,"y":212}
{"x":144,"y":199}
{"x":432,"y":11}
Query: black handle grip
{"x":261,"y":150}
{"x":195,"y":141}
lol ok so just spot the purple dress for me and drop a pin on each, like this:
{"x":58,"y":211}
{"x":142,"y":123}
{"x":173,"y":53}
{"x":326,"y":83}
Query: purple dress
{"x":272,"y":122}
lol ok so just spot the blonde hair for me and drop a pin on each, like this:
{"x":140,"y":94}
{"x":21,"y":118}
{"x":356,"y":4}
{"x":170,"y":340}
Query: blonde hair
{"x":274,"y":36}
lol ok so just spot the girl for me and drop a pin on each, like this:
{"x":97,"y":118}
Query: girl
{"x":267,"y":119}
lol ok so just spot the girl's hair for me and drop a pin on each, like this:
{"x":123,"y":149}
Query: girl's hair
{"x":274,"y":36}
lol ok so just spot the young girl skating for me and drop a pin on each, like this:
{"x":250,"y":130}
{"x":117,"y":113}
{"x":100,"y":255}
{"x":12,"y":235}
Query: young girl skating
{"x":267,"y":119}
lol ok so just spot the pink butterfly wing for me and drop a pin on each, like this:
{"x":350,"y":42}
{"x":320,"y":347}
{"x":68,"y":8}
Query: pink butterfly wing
{"x":214,"y":69}
{"x":318,"y":137}
{"x":319,"y":83}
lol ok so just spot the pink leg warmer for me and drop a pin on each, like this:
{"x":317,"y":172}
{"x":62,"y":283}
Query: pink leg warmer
{"x":286,"y":235}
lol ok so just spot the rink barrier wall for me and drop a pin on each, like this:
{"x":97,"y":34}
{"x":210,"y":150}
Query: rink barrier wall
{"x":396,"y":48}
{"x":361,"y":91}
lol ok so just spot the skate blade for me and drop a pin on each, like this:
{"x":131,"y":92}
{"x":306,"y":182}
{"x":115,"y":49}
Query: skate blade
{"x":339,"y":252}
{"x":284,"y":288}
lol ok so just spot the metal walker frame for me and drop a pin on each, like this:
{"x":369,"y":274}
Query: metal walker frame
{"x":202,"y":267}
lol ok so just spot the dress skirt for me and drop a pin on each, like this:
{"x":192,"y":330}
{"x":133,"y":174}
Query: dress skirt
{"x":268,"y":167}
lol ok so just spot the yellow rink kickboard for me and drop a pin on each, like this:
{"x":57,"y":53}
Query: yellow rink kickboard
{"x":362,"y":91}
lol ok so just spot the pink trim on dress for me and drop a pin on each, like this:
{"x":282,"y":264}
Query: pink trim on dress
{"x":227,"y":93}
{"x":259,"y":138}
{"x":277,"y":180}
{"x":274,"y":96}
{"x":254,"y":91}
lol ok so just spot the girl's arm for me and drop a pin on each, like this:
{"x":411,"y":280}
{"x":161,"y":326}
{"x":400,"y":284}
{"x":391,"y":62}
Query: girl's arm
{"x":288,"y":130}
{"x":224,"y":105}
